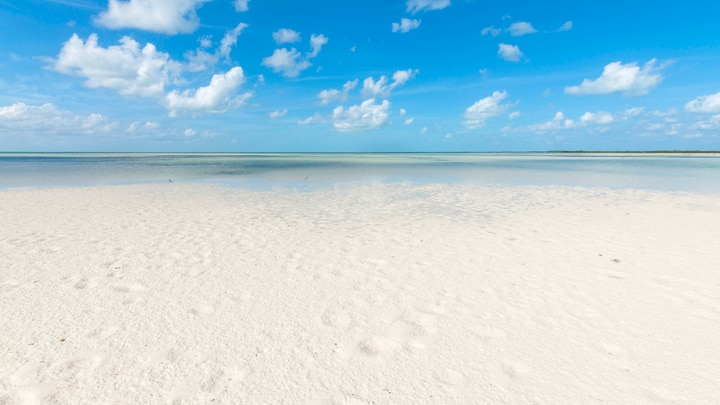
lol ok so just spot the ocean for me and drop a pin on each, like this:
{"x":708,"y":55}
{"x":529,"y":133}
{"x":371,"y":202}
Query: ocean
{"x":672,"y":171}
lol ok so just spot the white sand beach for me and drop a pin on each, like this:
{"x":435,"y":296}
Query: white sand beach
{"x":371,"y":294}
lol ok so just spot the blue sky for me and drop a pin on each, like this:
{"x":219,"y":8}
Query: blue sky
{"x":412,"y":75}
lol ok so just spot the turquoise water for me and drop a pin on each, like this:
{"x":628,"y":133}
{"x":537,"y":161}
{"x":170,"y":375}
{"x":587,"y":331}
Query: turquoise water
{"x":683,"y":172}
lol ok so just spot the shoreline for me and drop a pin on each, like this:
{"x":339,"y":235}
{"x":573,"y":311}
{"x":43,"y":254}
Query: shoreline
{"x":382,"y":293}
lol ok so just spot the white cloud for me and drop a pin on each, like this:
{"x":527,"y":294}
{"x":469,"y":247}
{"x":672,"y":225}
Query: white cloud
{"x":521,"y":28}
{"x":558,"y":122}
{"x":127,"y":68}
{"x":414,"y":6}
{"x":286,"y":35}
{"x":48,"y":119}
{"x":600,"y":118}
{"x":367,"y":115}
{"x":513,"y":115}
{"x":669,"y":115}
{"x":330,"y":95}
{"x":190,"y":132}
{"x":510,"y":53}
{"x":710,"y":124}
{"x":241,"y":5}
{"x":632,"y":112}
{"x":409,"y":121}
{"x":405,"y":25}
{"x":287,"y":62}
{"x":588,"y":119}
{"x":230,"y":39}
{"x":201,"y":59}
{"x":704,"y":104}
{"x":165,"y":16}
{"x":491,"y":30}
{"x":402,"y":112}
{"x":218,"y":96}
{"x":316,"y":43}
{"x":483,"y":109}
{"x":382,"y":87}
{"x":138,"y":126}
{"x":278,"y":114}
{"x":629,"y":79}
{"x":315,"y":119}
{"x":566,"y":27}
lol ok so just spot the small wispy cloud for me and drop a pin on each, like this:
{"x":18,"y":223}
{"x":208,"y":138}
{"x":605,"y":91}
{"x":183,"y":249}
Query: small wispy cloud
{"x":566,"y":27}
{"x":405,"y":25}
{"x":415,"y":6}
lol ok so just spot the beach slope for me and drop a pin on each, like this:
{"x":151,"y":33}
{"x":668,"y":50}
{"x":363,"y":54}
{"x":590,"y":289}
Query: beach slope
{"x":388,"y":293}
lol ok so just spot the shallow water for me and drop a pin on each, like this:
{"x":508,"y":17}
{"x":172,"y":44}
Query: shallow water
{"x":677,"y":172}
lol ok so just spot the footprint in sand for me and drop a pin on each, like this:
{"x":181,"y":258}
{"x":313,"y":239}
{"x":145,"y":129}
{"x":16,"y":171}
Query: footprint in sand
{"x":336,"y":318}
{"x":129,"y":287}
{"x":104,"y":332}
{"x":202,"y":309}
{"x":450,"y":376}
{"x":376,"y":345}
{"x":516,"y":370}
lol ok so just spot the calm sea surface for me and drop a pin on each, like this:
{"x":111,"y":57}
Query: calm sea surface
{"x":678,"y":172}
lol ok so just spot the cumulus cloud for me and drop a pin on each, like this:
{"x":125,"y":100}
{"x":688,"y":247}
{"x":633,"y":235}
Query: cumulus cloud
{"x":137,"y":126}
{"x":330,"y":95}
{"x":367,"y":115}
{"x":127,"y":68}
{"x":513,"y":115}
{"x":600,"y":118}
{"x":288,"y":62}
{"x":704,"y":104}
{"x":218,"y":96}
{"x":588,"y":119}
{"x":713,"y":123}
{"x":285,"y":36}
{"x":278,"y":114}
{"x":409,"y":121}
{"x":566,"y":27}
{"x":47,"y":118}
{"x":491,"y":30}
{"x":405,"y":25}
{"x":241,"y":5}
{"x":521,"y":28}
{"x":483,"y":109}
{"x":629,"y":79}
{"x":415,"y":6}
{"x":510,"y":53}
{"x":558,"y":122}
{"x":382,"y":87}
{"x":164,"y":16}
